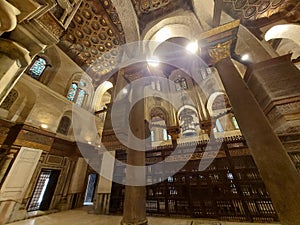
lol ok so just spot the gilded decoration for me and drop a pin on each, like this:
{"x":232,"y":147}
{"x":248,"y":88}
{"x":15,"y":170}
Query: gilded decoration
{"x":150,"y":10}
{"x":218,"y":43}
{"x":258,"y":13}
{"x":145,"y":6}
{"x":219,"y":51}
{"x":93,"y":37}
{"x":50,"y":24}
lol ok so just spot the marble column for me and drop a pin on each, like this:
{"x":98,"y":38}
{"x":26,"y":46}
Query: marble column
{"x":275,"y":166}
{"x":135,"y":196}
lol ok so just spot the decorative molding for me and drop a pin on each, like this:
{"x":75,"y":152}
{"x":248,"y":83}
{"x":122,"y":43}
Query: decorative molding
{"x":93,"y":37}
{"x":220,"y":51}
{"x":219,"y":43}
{"x":259,"y":13}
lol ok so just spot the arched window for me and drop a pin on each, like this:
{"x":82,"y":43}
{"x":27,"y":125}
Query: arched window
{"x":37,"y":68}
{"x":9,"y":100}
{"x":64,"y":125}
{"x":77,"y":92}
{"x":180,"y":84}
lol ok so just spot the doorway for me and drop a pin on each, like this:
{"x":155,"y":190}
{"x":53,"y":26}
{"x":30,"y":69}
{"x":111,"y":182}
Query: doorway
{"x":90,"y":189}
{"x":44,"y":190}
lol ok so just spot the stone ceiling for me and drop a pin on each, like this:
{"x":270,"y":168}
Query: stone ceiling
{"x":93,"y":37}
{"x":258,"y":13}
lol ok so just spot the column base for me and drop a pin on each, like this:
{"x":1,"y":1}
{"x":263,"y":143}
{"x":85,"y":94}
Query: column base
{"x":143,"y":222}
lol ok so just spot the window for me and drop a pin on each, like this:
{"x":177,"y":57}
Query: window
{"x":155,"y":85}
{"x":235,"y":123}
{"x":77,"y":93}
{"x":152,"y":135}
{"x":166,"y":136}
{"x":64,"y":125}
{"x":37,"y":68}
{"x":180,"y":84}
{"x":205,"y":72}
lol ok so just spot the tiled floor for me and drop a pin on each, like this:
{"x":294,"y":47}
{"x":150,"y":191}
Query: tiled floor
{"x":81,"y":217}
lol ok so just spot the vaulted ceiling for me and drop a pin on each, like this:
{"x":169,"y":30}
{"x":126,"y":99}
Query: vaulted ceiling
{"x":93,"y":37}
{"x":258,"y":13}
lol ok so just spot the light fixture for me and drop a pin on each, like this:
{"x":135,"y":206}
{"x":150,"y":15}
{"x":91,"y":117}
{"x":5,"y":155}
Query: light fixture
{"x":153,"y":62}
{"x":89,"y":142}
{"x":192,"y":47}
{"x":44,"y":126}
{"x":124,"y":91}
{"x":245,"y":57}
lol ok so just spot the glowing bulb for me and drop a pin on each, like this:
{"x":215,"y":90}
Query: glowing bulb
{"x":44,"y":126}
{"x":124,"y":91}
{"x":192,"y":47}
{"x":154,"y":61}
{"x":89,"y":142}
{"x":245,"y":57}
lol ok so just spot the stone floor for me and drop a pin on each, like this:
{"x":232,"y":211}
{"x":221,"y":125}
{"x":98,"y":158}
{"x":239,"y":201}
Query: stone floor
{"x":81,"y":217}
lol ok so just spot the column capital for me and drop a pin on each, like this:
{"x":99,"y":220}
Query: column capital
{"x":219,"y":51}
{"x":218,"y":43}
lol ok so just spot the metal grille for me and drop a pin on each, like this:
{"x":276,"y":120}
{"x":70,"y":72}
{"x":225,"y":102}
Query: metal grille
{"x":38,"y":191}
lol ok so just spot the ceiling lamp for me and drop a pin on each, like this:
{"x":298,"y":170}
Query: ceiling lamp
{"x":245,"y":57}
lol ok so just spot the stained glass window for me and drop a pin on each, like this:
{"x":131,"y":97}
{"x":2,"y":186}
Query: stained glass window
{"x":82,"y":83}
{"x":72,"y":92}
{"x":80,"y":97}
{"x":37,"y":68}
{"x":76,"y":93}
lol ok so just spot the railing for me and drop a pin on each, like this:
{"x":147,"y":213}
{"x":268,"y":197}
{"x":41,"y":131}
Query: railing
{"x":229,"y":189}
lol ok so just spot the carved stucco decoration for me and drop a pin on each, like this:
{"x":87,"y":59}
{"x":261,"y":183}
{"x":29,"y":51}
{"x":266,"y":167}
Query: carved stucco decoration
{"x":145,"y":6}
{"x":158,"y":112}
{"x":150,"y":10}
{"x":258,"y":13}
{"x":93,"y":37}
{"x":9,"y":100}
